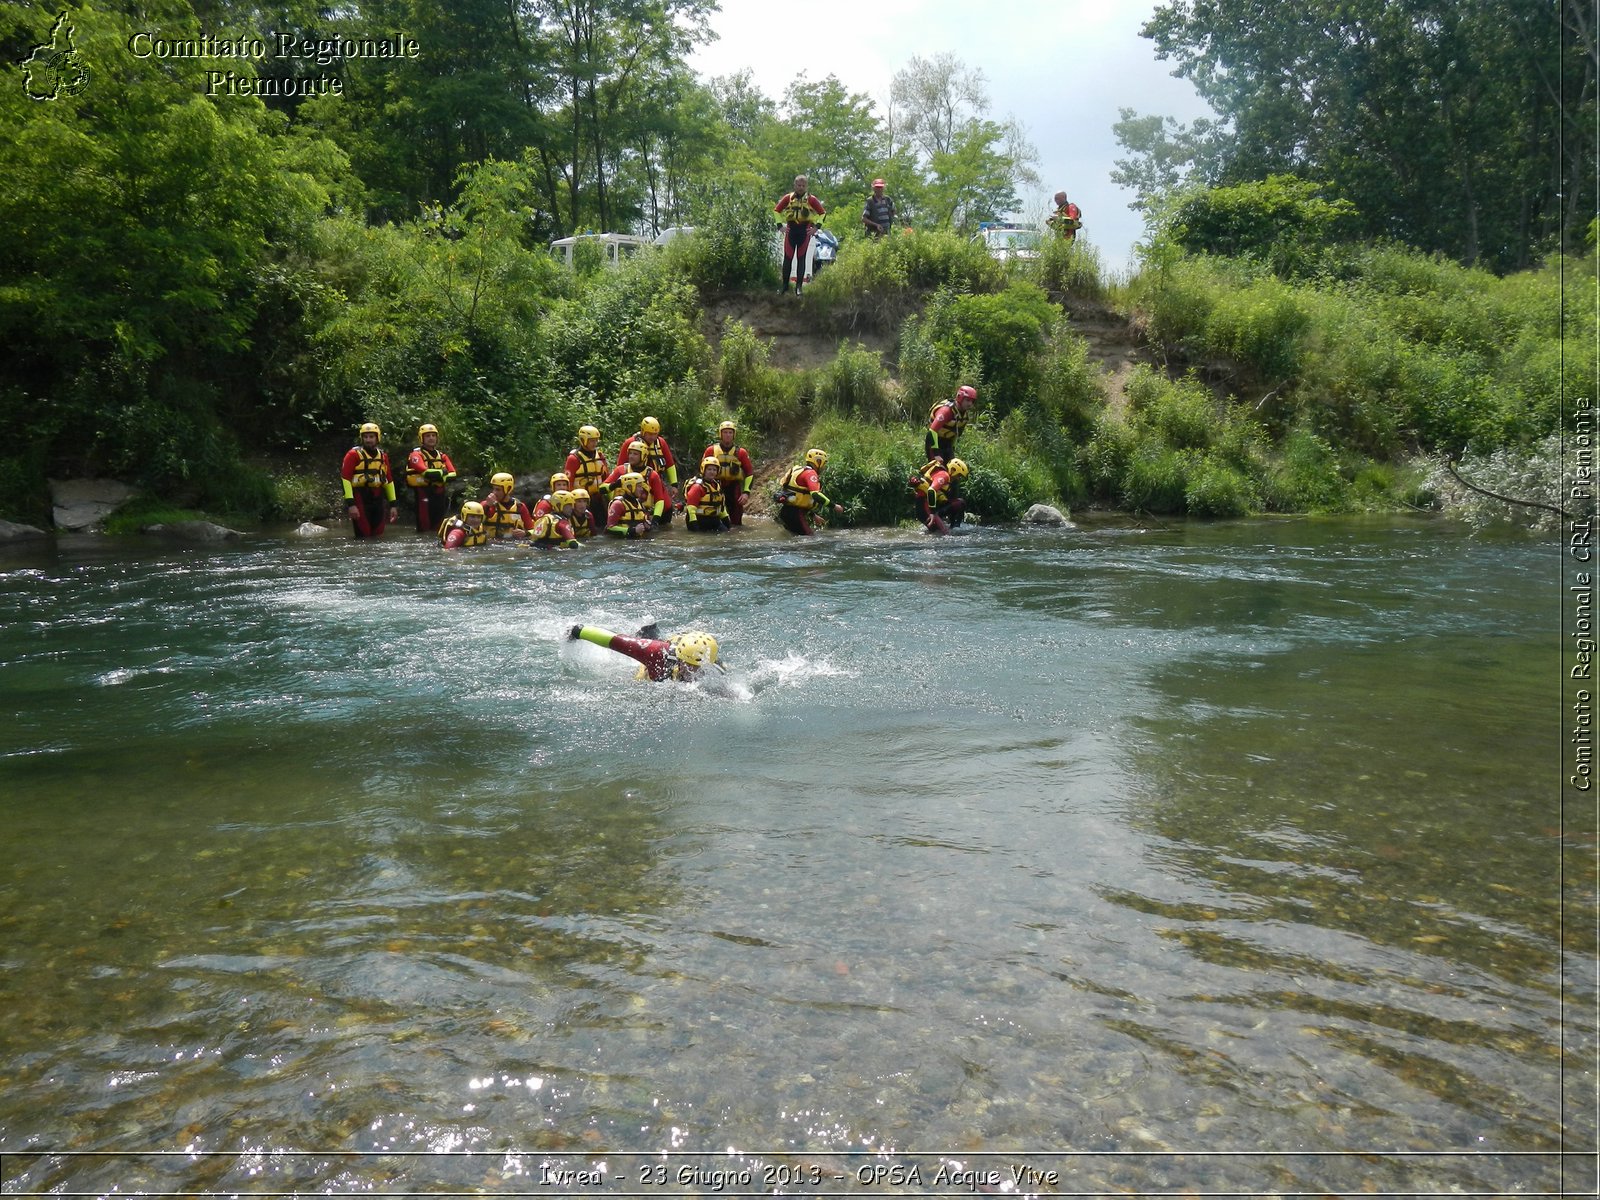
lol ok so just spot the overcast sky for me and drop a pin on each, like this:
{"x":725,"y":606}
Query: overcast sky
{"x":1062,"y":68}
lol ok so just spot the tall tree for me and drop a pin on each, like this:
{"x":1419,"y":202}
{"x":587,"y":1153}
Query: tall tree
{"x":1462,"y":126}
{"x":974,"y":166}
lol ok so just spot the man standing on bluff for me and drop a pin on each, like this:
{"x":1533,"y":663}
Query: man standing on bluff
{"x":878,"y":215}
{"x":368,"y":484}
{"x":799,"y":210}
{"x":1067,"y":219}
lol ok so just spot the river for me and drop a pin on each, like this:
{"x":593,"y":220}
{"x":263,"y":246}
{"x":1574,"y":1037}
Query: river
{"x":1223,"y":857}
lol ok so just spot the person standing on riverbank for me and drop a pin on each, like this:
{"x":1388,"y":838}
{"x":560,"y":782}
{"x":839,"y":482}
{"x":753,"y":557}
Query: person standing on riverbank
{"x":878,"y":214}
{"x":800,"y":211}
{"x":429,"y":472}
{"x":586,"y":466}
{"x":802,"y":505}
{"x":946,"y":421}
{"x":704,"y":503}
{"x":368,"y":484}
{"x":734,"y":469}
{"x":1067,"y":218}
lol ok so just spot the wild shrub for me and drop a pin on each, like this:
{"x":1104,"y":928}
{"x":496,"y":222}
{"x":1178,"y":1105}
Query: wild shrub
{"x":1535,"y":474}
{"x":1069,"y":391}
{"x":854,"y":384}
{"x":1003,"y":332}
{"x":876,"y":281}
{"x":1283,"y":221}
{"x":1156,"y":479}
{"x":1306,"y":476}
{"x":1104,"y":460}
{"x":1213,"y":488}
{"x":1068,"y":269}
{"x":1181,"y":414}
{"x":1260,"y":327}
{"x":928,"y":373}
{"x":732,"y":243}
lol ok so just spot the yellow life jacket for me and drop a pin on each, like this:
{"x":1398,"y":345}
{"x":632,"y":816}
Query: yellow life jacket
{"x":731,"y":468}
{"x":794,"y":493}
{"x":798,"y":211}
{"x":591,"y":472}
{"x":475,"y":537}
{"x":372,"y":471}
{"x":501,"y":517}
{"x":547,"y":528}
{"x":958,"y":420}
{"x":435,"y":462}
{"x":634,"y":509}
{"x":936,"y":496}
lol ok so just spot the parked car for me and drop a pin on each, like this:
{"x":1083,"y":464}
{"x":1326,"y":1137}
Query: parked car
{"x":822,"y":251}
{"x":616,"y":246}
{"x":673,"y":231}
{"x":1006,"y":241}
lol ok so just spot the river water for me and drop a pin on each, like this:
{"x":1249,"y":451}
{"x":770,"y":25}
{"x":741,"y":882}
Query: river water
{"x":1191,"y":857}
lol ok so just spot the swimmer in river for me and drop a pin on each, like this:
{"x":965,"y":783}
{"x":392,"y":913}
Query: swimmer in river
{"x":681,"y":657}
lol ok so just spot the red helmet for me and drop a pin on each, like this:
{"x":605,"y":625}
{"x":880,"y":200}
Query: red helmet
{"x":969,"y":394}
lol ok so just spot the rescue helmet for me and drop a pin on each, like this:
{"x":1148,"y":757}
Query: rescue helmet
{"x":957,"y":468}
{"x":503,"y":479}
{"x":650,"y":425}
{"x":877,"y":183}
{"x":631,"y":481}
{"x":696,"y":649}
{"x":729,"y":426}
{"x":472,"y":509}
{"x":561,"y":500}
{"x":968,"y":393}
{"x":371,"y":427}
{"x":588,"y":435}
{"x":710,"y":463}
{"x":637,"y":447}
{"x":580,"y":493}
{"x":816,"y":459}
{"x":560,"y":481}
{"x":433,"y":429}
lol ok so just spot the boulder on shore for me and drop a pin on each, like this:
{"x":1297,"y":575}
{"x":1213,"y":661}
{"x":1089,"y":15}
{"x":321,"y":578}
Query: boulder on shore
{"x":12,"y":532}
{"x":1043,"y":514}
{"x":311,"y":529}
{"x":85,"y":503}
{"x":193,"y":531}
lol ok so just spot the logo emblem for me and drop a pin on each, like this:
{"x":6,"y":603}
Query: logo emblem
{"x":55,"y":69}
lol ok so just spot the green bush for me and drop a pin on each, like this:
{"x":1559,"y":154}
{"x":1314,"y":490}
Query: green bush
{"x":1306,"y":476}
{"x":876,"y":281}
{"x":1069,"y":392}
{"x":1215,"y":489}
{"x":1067,"y":270}
{"x":854,"y":384}
{"x":732,"y":243}
{"x":1181,"y":414}
{"x":1157,"y":478}
{"x":1283,"y":221}
{"x":1004,"y":333}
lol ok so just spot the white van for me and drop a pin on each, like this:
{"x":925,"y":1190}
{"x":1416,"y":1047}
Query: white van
{"x":616,"y":246}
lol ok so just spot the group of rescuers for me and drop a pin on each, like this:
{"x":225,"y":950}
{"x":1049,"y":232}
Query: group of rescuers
{"x":800,"y":212}
{"x":637,"y":496}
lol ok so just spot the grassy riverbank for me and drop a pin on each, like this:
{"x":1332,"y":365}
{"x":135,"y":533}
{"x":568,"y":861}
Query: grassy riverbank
{"x":1206,"y":385}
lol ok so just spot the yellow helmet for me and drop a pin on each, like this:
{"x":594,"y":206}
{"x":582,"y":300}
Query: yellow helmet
{"x":503,"y":479}
{"x":561,"y":500}
{"x":637,"y":447}
{"x":560,"y":481}
{"x":371,"y":427}
{"x":588,"y":435}
{"x":472,"y":509}
{"x":697,"y":649}
{"x":816,"y":459}
{"x":727,"y":425}
{"x":710,"y":461}
{"x":579,"y":494}
{"x":957,"y":468}
{"x":426,"y":429}
{"x":649,"y":425}
{"x":631,"y":481}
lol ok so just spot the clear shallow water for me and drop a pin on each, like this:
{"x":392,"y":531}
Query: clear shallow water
{"x":1211,"y":857}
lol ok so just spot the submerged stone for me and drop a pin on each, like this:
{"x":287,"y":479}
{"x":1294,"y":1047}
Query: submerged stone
{"x":193,"y":531}
{"x":1044,"y":514}
{"x":311,"y":529}
{"x":10,"y":531}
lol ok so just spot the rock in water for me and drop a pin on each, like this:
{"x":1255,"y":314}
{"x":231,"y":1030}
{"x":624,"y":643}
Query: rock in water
{"x":311,"y":529}
{"x":193,"y":531}
{"x":12,"y":532}
{"x":1043,"y":514}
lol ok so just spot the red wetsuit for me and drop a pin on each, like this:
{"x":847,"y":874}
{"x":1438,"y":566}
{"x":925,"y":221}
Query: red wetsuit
{"x":653,"y":654}
{"x":945,"y":424}
{"x":368,"y":488}
{"x":432,"y":500}
{"x":937,"y":507}
{"x":589,"y":471}
{"x":801,"y":511}
{"x":500,"y":520}
{"x":799,"y":215}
